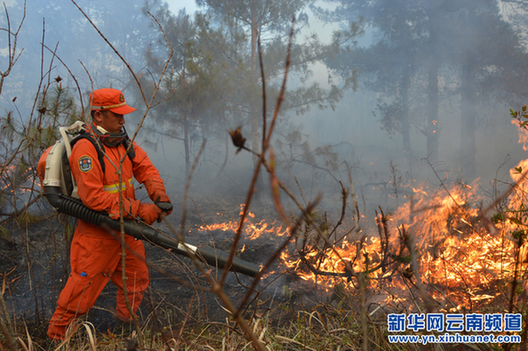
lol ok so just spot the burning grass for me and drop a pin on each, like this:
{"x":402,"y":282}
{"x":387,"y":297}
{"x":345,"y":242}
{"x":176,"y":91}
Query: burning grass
{"x":440,"y":240}
{"x":337,"y":280}
{"x":438,"y":252}
{"x":441,"y":252}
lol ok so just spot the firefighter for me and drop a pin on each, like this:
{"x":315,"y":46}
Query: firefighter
{"x":95,"y":254}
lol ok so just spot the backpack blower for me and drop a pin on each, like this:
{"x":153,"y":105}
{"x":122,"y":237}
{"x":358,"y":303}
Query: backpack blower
{"x":60,"y":190}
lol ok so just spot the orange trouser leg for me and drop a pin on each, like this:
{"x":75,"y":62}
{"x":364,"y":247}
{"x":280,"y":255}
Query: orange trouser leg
{"x":137,"y":278}
{"x":92,"y":260}
{"x":77,"y":297}
{"x":93,"y":263}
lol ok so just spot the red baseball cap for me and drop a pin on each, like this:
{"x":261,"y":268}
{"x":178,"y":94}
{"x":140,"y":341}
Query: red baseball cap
{"x":109,"y":99}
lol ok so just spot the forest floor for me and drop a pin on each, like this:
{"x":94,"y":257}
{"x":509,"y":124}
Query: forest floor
{"x":34,"y":265}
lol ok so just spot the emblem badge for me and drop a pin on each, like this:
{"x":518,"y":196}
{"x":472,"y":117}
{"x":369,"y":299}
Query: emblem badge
{"x":85,"y":163}
{"x":121,"y":98}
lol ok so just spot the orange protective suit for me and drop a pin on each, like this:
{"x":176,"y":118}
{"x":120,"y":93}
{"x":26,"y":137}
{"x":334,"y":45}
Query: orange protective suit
{"x":95,"y":255}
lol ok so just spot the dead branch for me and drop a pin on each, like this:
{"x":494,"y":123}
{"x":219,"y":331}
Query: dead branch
{"x":12,"y":40}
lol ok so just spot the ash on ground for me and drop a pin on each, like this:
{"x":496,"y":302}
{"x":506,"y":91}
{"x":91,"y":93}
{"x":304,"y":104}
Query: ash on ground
{"x":35,"y":266}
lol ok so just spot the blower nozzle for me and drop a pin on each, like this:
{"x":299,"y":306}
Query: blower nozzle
{"x":75,"y":208}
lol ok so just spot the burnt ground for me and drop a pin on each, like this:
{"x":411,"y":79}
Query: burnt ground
{"x":34,"y":266}
{"x":35,"y":273}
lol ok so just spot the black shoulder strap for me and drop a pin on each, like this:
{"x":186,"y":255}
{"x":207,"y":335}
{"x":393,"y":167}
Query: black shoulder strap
{"x":100,"y":147}
{"x":100,"y":153}
{"x":131,"y":152}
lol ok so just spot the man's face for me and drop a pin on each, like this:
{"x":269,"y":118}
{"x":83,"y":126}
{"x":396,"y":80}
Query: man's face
{"x":110,"y":121}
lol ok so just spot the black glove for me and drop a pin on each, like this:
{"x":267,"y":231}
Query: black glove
{"x":166,"y":207}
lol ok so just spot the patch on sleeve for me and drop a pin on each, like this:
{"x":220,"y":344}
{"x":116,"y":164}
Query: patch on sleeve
{"x":85,"y":163}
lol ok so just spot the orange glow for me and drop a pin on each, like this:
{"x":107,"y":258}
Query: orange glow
{"x":459,"y":261}
{"x":523,"y":135}
{"x":251,"y":230}
{"x":10,"y":177}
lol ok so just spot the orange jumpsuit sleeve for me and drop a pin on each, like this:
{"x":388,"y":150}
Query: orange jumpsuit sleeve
{"x":88,"y":173}
{"x":148,"y":175}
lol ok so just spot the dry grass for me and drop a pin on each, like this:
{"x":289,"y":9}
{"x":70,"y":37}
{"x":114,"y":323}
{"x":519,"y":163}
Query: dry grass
{"x":345,"y":320}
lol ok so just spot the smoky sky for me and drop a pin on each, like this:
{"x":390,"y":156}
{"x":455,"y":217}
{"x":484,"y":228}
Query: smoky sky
{"x":354,"y":130}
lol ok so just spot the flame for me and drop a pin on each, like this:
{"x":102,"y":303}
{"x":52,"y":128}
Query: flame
{"x":458,"y":259}
{"x":16,"y":182}
{"x":440,"y":232}
{"x":251,"y":230}
{"x":523,"y":135}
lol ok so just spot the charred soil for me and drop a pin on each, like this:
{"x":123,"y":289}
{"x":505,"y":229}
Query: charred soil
{"x":35,"y":265}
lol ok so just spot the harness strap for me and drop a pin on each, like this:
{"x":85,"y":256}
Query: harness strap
{"x":100,"y":147}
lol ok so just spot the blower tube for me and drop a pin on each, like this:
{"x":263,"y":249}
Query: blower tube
{"x":75,"y":208}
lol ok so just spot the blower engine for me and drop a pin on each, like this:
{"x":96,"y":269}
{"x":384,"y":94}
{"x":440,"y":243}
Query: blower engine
{"x":60,"y":190}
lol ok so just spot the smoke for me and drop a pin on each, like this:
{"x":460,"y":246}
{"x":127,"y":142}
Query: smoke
{"x":359,"y":140}
{"x":355,"y":130}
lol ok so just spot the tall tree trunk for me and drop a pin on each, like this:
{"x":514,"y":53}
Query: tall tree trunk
{"x":186,"y":143}
{"x":255,"y":107}
{"x":468,"y":148}
{"x":255,"y":140}
{"x":406,"y":125}
{"x":432,"y":130}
